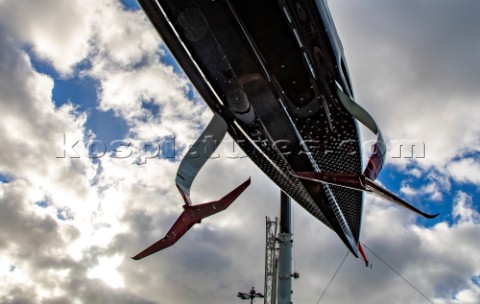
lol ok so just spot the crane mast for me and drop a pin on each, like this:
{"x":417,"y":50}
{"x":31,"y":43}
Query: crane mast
{"x":278,"y":256}
{"x":271,"y":260}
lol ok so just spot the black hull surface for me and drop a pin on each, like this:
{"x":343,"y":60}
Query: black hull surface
{"x":270,"y":70}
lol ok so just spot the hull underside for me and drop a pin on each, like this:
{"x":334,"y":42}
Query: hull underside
{"x":269,"y":69}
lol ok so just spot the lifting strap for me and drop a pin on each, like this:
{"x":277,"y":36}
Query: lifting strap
{"x":379,"y":149}
{"x":198,"y":154}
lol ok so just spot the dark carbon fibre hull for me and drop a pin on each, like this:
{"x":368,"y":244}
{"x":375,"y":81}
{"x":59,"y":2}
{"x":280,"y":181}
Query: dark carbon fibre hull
{"x":270,"y":70}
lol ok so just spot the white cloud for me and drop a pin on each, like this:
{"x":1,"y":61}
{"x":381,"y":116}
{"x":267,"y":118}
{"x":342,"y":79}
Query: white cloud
{"x":57,"y":31}
{"x":466,"y":170}
{"x":463,"y":209}
{"x":432,"y":186}
{"x":470,"y":295}
{"x":408,"y":190}
{"x":415,"y":172}
{"x":106,"y":270}
{"x":49,"y":248}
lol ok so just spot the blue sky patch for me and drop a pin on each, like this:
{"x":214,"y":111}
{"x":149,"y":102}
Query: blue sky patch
{"x":192,"y":93}
{"x":41,"y":66}
{"x":152,"y":107}
{"x":130,"y":5}
{"x":476,"y":280}
{"x":43,"y":204}
{"x":169,"y":60}
{"x":64,"y":215}
{"x":61,"y":216}
{"x":107,"y":126}
{"x":392,"y":179}
{"x":5,"y":179}
{"x":82,"y":92}
{"x":473,"y":191}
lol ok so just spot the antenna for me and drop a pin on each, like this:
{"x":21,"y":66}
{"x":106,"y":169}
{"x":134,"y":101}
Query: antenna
{"x":250,"y":295}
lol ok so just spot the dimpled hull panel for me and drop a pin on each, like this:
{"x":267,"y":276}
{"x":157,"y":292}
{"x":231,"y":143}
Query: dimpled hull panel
{"x":270,"y":71}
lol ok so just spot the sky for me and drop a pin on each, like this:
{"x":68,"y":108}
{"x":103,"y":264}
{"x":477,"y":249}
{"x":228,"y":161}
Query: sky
{"x":91,"y":102}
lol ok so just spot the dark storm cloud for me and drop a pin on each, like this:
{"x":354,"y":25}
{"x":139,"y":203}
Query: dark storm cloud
{"x":37,"y":246}
{"x":95,"y":291}
{"x":16,"y":218}
{"x":19,"y":295}
{"x":58,"y":300}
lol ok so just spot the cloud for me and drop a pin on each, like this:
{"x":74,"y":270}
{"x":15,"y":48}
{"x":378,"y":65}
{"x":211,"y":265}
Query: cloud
{"x":463,"y":209}
{"x":54,"y":225}
{"x":58,"y":32}
{"x":466,"y":170}
{"x":434,"y":185}
{"x":424,"y":256}
{"x":415,"y":69}
{"x":430,"y":189}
